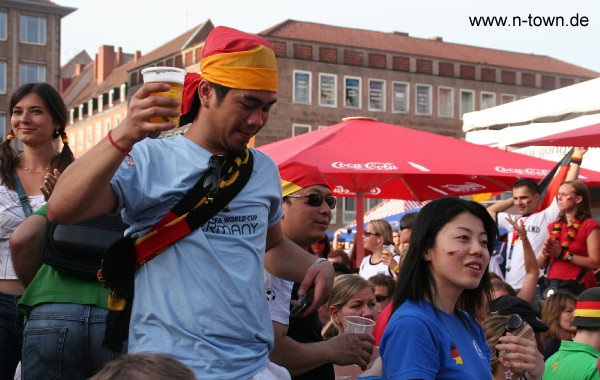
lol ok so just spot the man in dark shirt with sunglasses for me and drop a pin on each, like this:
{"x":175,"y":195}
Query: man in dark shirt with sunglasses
{"x":299,"y":347}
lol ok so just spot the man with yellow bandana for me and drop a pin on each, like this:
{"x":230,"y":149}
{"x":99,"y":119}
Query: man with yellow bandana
{"x":202,"y":299}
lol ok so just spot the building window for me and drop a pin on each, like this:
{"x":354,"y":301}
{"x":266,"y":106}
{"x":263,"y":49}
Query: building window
{"x":3,"y":26}
{"x":327,"y":90}
{"x":100,"y":103}
{"x":97,"y":133}
{"x":3,"y":129}
{"x":111,"y":97}
{"x":90,"y":107}
{"x":488,"y":100}
{"x":423,"y":99}
{"x":352,"y":92}
{"x":106,"y":127}
{"x":300,"y":129}
{"x":302,"y":87}
{"x":400,"y":97}
{"x":350,"y":207}
{"x":507,"y":98}
{"x":71,"y":115}
{"x":123,"y":92}
{"x":88,"y":136}
{"x":31,"y":73}
{"x":33,"y":30}
{"x":80,"y":140}
{"x":467,"y":101}
{"x":445,"y":102}
{"x":2,"y":77}
{"x":117,"y":121}
{"x":376,"y":95}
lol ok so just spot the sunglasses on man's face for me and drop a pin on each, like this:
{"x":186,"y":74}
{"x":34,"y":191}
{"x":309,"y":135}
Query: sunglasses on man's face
{"x":316,"y":200}
{"x":514,"y":323}
{"x":402,"y":228}
{"x":381,"y":298}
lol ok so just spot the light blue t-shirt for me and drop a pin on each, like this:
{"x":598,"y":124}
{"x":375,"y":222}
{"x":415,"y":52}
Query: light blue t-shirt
{"x":423,"y":342}
{"x":201,"y":301}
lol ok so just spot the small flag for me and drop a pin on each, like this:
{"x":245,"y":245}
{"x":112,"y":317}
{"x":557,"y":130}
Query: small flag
{"x":455,"y":355}
{"x":549,"y":185}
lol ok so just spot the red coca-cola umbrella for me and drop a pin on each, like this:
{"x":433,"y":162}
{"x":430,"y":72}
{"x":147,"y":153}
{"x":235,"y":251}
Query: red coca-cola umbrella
{"x":583,"y":136}
{"x":361,"y":157}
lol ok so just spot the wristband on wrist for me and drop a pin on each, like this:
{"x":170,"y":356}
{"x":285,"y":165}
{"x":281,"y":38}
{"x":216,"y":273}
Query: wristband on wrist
{"x":124,"y":151}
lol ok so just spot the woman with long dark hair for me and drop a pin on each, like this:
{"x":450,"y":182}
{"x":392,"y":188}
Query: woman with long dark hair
{"x":38,"y":117}
{"x":442,"y":283}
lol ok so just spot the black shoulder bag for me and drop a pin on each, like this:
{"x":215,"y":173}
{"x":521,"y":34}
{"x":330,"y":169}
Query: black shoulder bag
{"x":77,"y":249}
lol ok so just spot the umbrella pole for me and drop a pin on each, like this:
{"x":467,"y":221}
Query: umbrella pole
{"x":360,"y":227}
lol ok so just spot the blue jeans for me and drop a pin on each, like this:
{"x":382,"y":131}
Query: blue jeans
{"x":64,"y":341}
{"x":11,"y":335}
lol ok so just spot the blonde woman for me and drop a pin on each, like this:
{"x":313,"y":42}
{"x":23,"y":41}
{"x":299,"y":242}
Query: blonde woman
{"x":519,"y":359}
{"x":351,"y":295}
{"x":377,"y":238}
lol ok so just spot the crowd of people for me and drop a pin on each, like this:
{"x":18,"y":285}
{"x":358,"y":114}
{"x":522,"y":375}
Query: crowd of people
{"x":272,"y":300}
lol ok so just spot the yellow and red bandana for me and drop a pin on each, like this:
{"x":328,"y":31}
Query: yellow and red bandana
{"x":240,"y":60}
{"x":296,"y":176}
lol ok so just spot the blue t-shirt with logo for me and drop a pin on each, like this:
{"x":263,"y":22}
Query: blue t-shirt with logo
{"x":202,"y":300}
{"x":423,"y":342}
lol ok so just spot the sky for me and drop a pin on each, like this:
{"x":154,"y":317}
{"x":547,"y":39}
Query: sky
{"x":145,"y":25}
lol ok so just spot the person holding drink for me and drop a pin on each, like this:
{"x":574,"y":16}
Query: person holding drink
{"x":377,"y":238}
{"x":201,"y":300}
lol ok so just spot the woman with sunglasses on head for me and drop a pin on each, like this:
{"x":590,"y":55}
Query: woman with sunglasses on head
{"x":571,"y":252}
{"x":519,"y":359}
{"x":443,"y":282}
{"x":38,"y":117}
{"x":377,"y":238}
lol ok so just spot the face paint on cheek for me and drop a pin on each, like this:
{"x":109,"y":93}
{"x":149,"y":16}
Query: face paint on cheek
{"x":452,"y":253}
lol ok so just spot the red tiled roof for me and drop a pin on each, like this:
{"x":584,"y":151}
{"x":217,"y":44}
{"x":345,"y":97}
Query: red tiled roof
{"x":404,"y":44}
{"x":190,"y":38}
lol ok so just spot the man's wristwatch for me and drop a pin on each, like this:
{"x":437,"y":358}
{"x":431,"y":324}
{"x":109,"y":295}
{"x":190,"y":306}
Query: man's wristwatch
{"x":318,"y":261}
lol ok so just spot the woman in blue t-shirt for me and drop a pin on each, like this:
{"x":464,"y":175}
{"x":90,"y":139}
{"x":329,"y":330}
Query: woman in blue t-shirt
{"x":432,"y":333}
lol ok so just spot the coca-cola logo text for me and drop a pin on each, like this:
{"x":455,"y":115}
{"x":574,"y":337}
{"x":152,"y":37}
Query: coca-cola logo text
{"x":340,"y":190}
{"x":365,"y":166}
{"x":466,"y":187}
{"x":519,"y":171}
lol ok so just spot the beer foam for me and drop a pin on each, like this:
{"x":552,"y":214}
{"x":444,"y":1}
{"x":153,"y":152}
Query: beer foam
{"x":163,"y":74}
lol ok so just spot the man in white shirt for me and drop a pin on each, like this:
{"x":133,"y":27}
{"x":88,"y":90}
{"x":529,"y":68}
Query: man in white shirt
{"x":526,"y":196}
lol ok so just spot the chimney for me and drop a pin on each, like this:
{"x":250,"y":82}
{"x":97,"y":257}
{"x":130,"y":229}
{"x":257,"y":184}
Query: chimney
{"x":119,"y":57}
{"x":105,"y":62}
{"x":437,"y":38}
{"x":78,"y":69}
{"x":137,"y":55}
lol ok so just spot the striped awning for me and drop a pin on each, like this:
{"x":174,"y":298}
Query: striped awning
{"x":389,"y":207}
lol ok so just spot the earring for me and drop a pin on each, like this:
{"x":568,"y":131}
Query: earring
{"x":11,"y":135}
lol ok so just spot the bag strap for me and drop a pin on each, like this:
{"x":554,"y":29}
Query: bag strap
{"x":195,"y":208}
{"x":22,"y":195}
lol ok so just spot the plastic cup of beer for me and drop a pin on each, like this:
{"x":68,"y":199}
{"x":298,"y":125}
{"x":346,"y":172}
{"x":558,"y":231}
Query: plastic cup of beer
{"x":355,"y":324}
{"x":174,"y":77}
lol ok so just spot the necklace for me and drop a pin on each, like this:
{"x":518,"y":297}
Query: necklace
{"x":35,"y":171}
{"x":571,"y":234}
